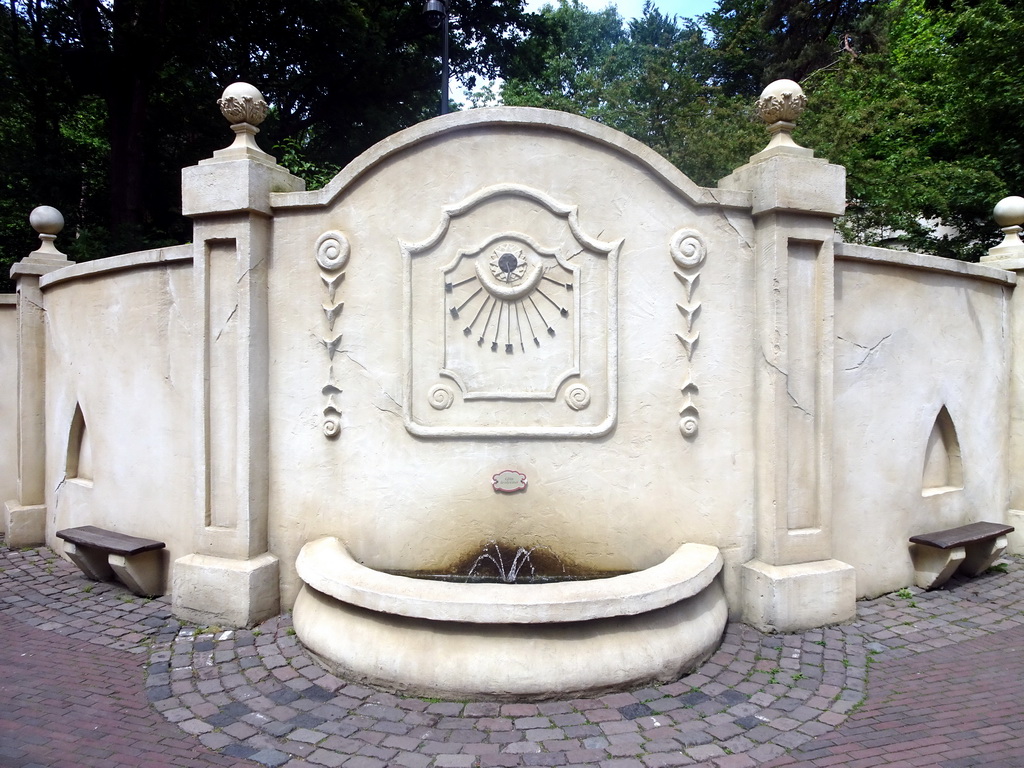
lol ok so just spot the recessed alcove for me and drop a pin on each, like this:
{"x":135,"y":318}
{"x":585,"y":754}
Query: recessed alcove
{"x":79,"y":460}
{"x":943,"y":467}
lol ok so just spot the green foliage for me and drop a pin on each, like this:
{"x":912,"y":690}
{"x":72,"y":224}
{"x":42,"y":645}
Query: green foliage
{"x":102,"y":102}
{"x":926,"y":128}
{"x":758,"y":41}
{"x":651,"y":80}
{"x":557,"y":66}
{"x":292,"y":153}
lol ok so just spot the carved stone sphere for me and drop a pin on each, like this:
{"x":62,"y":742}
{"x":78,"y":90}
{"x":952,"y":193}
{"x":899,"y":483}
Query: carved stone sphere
{"x":1009,"y":212}
{"x":782,"y":100}
{"x":243,"y":103}
{"x":46,"y":220}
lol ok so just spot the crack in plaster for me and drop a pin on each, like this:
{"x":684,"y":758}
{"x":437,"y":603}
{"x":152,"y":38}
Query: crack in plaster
{"x":34,"y":303}
{"x":249,"y":269}
{"x":785,"y":375}
{"x":397,"y":410}
{"x":869,"y":350}
{"x":173,"y":316}
{"x":796,"y":403}
{"x":729,"y":216}
{"x":224,"y":327}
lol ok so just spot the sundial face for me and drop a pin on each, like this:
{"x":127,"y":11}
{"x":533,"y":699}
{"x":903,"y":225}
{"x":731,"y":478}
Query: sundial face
{"x":514,"y":297}
{"x":510,"y":308}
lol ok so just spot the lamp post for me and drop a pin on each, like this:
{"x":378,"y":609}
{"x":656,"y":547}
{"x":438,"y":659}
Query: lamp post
{"x":436,"y":14}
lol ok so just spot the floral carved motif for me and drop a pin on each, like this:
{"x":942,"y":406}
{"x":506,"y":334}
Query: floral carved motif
{"x":332,"y":252}
{"x":243,"y":109}
{"x":688,"y":251}
{"x":786,"y":106}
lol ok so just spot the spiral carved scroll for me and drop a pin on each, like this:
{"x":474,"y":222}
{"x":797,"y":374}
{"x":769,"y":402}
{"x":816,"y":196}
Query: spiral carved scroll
{"x":577,"y":397}
{"x":332,"y":251}
{"x":688,"y":249}
{"x":441,"y":397}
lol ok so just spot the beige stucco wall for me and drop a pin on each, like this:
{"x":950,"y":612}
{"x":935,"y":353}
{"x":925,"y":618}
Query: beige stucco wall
{"x":913,"y":334}
{"x":119,"y":346}
{"x":9,"y":398}
{"x":615,"y":485}
{"x":623,"y":500}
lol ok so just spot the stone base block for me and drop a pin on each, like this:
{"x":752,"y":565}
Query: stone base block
{"x":792,"y":598}
{"x":225,"y":592}
{"x":25,"y":526}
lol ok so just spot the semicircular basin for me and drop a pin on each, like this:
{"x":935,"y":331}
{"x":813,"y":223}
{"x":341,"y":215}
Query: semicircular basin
{"x":509,"y":641}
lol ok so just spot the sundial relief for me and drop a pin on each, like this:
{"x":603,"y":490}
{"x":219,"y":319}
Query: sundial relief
{"x":511,"y":320}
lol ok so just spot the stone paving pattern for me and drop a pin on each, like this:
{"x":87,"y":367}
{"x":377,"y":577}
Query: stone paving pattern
{"x":255,"y":697}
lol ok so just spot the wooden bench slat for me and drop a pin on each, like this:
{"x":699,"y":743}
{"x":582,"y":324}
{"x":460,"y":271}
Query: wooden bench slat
{"x":109,"y":541}
{"x":965,"y":534}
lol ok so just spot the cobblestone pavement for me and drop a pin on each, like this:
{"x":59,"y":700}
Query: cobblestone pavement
{"x":943,"y":680}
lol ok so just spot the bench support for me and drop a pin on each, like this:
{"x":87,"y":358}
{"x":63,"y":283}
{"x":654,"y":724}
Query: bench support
{"x":982,"y":555}
{"x":971,"y":549}
{"x":933,"y":566}
{"x":92,"y":562}
{"x":105,"y":555}
{"x":141,"y":573}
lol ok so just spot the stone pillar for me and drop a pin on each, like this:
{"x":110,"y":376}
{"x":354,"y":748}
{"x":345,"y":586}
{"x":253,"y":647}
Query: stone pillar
{"x":231,"y":578}
{"x":793,"y":583}
{"x":25,"y":517}
{"x":1009,"y":255}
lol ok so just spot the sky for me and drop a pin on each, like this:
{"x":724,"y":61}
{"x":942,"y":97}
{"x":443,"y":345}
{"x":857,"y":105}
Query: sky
{"x":629,"y":9}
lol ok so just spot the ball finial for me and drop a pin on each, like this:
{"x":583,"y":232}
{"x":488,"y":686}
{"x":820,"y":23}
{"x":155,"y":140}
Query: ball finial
{"x":1009,"y":212}
{"x":782,"y":100}
{"x":243,"y":103}
{"x":46,"y":220}
{"x":779,"y":106}
{"x":1009,"y":215}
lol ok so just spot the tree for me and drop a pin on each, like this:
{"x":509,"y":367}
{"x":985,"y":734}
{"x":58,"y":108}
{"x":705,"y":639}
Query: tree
{"x":652,"y":79}
{"x":758,"y":41}
{"x":107,"y":100}
{"x":927,"y":127}
{"x":557,"y":66}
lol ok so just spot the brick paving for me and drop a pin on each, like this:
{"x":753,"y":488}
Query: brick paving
{"x":85,"y":658}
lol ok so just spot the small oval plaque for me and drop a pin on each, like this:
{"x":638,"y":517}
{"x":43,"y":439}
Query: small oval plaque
{"x":509,"y":481}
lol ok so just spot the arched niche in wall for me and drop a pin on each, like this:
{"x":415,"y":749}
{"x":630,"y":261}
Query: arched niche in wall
{"x":943,"y":467}
{"x":79,"y":460}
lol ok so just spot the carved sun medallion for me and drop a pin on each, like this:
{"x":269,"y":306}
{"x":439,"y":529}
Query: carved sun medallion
{"x":511,"y":327}
{"x":516,"y":293}
{"x":508,"y":266}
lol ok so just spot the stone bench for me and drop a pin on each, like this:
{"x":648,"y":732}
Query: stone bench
{"x":103,"y":555}
{"x":971,"y":549}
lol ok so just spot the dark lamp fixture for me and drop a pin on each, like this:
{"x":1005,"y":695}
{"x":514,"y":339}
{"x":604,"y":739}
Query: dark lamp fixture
{"x":435,"y":12}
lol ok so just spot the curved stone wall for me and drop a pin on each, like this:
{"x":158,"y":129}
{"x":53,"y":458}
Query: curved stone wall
{"x":119,"y":397}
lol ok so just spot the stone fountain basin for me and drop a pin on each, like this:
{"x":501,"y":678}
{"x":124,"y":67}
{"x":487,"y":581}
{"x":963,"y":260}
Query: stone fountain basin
{"x":509,"y":641}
